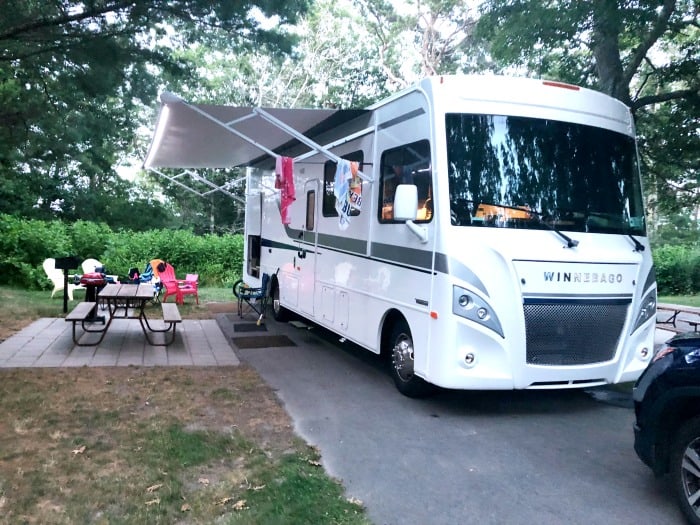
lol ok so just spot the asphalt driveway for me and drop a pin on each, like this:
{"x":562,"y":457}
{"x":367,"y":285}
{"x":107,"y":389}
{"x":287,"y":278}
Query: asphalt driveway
{"x":545,"y":457}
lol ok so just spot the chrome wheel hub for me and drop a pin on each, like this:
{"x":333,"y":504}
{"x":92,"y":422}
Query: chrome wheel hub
{"x":402,"y":357}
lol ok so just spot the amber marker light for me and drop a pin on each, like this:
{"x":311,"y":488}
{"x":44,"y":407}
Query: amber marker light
{"x":433,"y":314}
{"x":561,"y":85}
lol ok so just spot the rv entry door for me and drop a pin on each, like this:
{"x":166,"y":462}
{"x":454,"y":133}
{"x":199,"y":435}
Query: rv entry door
{"x":306,"y":257}
{"x":253,"y":223}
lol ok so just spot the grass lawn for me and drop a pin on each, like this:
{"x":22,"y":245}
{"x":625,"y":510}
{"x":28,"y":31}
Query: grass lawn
{"x":152,"y":445}
{"x":687,"y":300}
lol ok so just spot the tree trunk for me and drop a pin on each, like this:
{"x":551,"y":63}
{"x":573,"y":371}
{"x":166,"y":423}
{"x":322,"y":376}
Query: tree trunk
{"x":606,"y":49}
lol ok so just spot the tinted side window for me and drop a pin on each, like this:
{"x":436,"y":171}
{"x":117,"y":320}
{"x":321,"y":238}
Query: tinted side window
{"x":409,"y":164}
{"x":310,"y":208}
{"x":328,"y":182}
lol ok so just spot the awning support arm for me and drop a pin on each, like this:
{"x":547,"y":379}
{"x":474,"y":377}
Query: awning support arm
{"x":337,"y":143}
{"x":224,"y":186}
{"x":304,"y":139}
{"x":214,"y":187}
{"x":177,"y":182}
{"x":200,"y":179}
{"x":228,"y":126}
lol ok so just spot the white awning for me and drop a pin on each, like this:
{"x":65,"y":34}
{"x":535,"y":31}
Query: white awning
{"x":212,"y":136}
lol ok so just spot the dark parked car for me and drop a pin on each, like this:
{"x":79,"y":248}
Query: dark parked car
{"x":667,"y":410}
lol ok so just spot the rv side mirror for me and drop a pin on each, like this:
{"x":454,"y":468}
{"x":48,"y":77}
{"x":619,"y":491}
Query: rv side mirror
{"x":406,"y":202}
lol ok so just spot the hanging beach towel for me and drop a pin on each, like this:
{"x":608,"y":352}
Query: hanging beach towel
{"x":284,"y":181}
{"x":347,"y":191}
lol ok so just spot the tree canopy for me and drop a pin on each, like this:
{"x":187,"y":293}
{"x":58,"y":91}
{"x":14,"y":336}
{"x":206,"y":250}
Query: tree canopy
{"x":75,"y":78}
{"x":642,"y":52}
{"x":79,"y":82}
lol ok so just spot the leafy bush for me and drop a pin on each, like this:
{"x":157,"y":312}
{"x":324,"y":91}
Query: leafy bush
{"x":677,"y":270}
{"x":24,"y":244}
{"x":218,"y":259}
{"x":89,"y":239}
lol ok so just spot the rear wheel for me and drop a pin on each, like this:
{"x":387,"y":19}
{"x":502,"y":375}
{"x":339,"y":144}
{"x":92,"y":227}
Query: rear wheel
{"x":279,"y":312}
{"x":685,"y":468}
{"x":401,"y":360}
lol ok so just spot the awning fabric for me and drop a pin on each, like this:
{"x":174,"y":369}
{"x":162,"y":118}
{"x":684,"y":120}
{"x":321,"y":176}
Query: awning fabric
{"x":212,"y":136}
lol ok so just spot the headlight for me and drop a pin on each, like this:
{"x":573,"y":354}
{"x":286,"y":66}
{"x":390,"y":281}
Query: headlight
{"x":692,"y":357}
{"x":647,"y":309}
{"x":470,"y":306}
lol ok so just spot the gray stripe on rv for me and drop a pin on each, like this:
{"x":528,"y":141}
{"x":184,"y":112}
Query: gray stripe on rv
{"x":395,"y":254}
{"x":402,"y":118}
{"x":357,"y":246}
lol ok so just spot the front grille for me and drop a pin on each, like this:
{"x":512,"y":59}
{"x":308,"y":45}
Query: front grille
{"x":573,"y":333}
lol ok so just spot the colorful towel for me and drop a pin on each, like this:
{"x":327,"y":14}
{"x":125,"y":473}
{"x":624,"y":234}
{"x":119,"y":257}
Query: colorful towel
{"x":284,"y":181}
{"x":346,"y":191}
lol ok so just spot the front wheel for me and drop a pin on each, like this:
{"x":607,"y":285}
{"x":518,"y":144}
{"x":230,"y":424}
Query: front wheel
{"x":685,"y":468}
{"x":401,"y":362}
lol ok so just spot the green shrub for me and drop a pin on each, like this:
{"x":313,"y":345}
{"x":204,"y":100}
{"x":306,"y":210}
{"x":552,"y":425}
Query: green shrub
{"x":24,"y":244}
{"x":88,"y":239}
{"x":677,"y":270}
{"x":218,"y":259}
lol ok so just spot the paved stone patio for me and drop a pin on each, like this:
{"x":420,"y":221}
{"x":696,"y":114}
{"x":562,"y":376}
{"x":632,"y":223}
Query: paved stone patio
{"x":48,"y":342}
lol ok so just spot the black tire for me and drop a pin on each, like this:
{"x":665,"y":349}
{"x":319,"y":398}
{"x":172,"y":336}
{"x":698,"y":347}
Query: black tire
{"x":400,"y":357}
{"x":279,"y":312}
{"x":684,"y":467}
{"x":237,"y":287}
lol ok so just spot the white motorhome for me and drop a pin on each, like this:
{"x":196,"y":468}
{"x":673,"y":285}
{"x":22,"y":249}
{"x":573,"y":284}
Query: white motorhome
{"x":496,"y":237}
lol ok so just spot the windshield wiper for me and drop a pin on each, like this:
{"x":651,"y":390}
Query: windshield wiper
{"x":570,"y":243}
{"x":638,"y":246}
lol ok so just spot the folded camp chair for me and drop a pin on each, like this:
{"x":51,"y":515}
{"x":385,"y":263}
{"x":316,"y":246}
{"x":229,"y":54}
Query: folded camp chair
{"x":147,"y":277}
{"x":255,"y":298}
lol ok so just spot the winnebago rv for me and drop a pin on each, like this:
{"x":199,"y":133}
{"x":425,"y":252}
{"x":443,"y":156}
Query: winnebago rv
{"x":481,"y":232}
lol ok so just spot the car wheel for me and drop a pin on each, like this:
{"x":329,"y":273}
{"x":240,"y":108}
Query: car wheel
{"x":685,"y":468}
{"x":401,"y":362}
{"x":279,"y":312}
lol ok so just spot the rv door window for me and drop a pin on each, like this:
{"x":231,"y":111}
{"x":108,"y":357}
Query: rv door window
{"x":409,"y":164}
{"x":254,"y":255}
{"x":310,"y":207}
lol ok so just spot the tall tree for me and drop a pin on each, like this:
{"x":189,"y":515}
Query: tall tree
{"x":419,"y":38}
{"x":332,"y":64}
{"x":74,"y":77}
{"x":642,"y":52}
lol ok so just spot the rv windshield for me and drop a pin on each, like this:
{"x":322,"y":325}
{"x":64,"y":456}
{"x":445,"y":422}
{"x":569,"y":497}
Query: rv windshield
{"x":518,"y":172}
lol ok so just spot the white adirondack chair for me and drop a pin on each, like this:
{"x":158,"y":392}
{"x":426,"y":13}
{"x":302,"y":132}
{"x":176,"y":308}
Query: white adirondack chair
{"x":56,"y":277}
{"x":89,"y":266}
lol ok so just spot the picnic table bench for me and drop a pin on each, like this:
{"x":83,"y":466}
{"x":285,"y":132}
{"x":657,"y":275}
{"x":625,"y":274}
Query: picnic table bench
{"x":83,"y":313}
{"x":671,"y":313}
{"x":171,"y":318}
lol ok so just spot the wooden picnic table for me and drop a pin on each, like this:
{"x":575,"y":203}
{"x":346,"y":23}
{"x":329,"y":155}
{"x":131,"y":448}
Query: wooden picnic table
{"x":671,"y":312}
{"x":125,"y":301}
